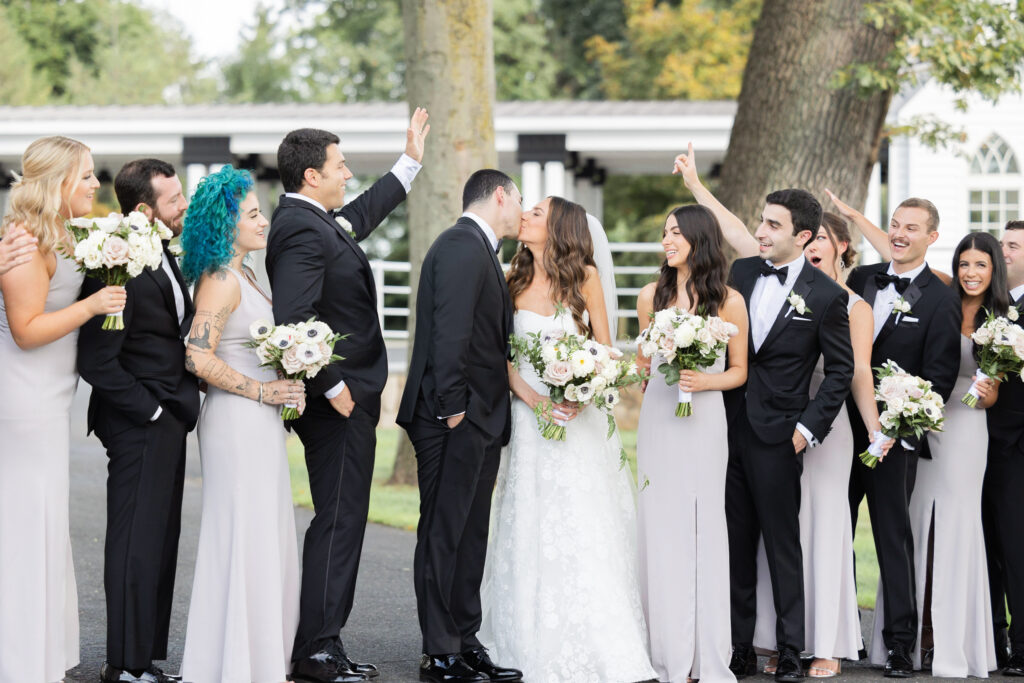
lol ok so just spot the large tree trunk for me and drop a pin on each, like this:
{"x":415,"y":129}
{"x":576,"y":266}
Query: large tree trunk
{"x":450,"y":70}
{"x":792,"y":129}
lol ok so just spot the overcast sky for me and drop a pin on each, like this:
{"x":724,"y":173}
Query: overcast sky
{"x":213,"y":24}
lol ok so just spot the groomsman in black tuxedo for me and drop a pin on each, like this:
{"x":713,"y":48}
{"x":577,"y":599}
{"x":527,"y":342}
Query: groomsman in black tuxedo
{"x":143,"y":405}
{"x":1002,"y":503}
{"x":796,"y":315}
{"x":924,"y":339}
{"x":456,"y":409}
{"x":316,"y":269}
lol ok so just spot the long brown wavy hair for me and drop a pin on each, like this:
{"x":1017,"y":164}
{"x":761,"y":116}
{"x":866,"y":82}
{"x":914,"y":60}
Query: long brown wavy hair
{"x":567,"y":253}
{"x":706,"y":263}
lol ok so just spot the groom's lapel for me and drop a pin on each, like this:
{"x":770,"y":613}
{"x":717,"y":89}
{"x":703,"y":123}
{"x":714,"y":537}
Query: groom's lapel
{"x":802,"y":288}
{"x":911,"y":296}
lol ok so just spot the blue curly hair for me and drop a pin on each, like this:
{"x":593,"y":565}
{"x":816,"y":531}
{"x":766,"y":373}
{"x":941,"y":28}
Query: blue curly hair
{"x":210,"y":229}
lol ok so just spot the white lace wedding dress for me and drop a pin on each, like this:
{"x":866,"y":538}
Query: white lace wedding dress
{"x":560,"y":595}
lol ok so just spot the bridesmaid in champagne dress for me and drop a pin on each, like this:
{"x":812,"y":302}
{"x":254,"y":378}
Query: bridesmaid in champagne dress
{"x":682,"y":536}
{"x":39,"y":319}
{"x":245,"y":595}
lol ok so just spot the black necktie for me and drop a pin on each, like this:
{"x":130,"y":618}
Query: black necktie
{"x":767,"y":270}
{"x":883,"y":280}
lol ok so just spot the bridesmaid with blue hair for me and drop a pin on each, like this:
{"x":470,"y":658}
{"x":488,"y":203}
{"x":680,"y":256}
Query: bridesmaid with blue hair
{"x":245,"y":594}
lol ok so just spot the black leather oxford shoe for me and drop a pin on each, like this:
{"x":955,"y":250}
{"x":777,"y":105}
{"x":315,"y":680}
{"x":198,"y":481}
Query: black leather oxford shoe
{"x":368,"y":670}
{"x":449,"y":669}
{"x":789,"y":667}
{"x":744,"y":661}
{"x":899,"y":664}
{"x":325,"y":667}
{"x":481,"y":661}
{"x":1014,"y":665}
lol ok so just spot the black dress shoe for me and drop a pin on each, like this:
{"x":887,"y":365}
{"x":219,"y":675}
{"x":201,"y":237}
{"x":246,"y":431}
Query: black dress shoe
{"x":789,"y":667}
{"x":449,"y":669}
{"x":744,"y":661}
{"x":899,"y":664}
{"x":1002,"y":648}
{"x":1014,"y":665}
{"x":481,"y":661}
{"x":927,"y":657}
{"x":161,"y":677}
{"x":325,"y":667}
{"x":368,"y":670}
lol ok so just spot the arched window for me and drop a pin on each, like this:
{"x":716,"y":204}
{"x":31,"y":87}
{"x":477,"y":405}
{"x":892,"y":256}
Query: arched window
{"x":995,"y":186}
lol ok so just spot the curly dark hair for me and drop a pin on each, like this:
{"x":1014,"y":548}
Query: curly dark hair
{"x":568,"y":252}
{"x":706,"y":286}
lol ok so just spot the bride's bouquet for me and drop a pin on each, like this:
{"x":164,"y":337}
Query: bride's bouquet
{"x":686,"y":342}
{"x":911,"y":408}
{"x":117,"y":248}
{"x":1000,"y":353}
{"x":296,"y":350}
{"x":577,"y":369}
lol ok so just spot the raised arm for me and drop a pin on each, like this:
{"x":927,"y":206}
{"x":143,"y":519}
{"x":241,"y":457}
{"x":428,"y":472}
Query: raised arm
{"x":217,"y":297}
{"x":25,"y":289}
{"x":876,"y":237}
{"x":733,"y":230}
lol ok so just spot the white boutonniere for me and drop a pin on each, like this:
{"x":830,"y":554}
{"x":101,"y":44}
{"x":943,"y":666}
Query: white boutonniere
{"x":176,"y":250}
{"x":901,"y":306}
{"x":345,"y":225}
{"x":797,"y":302}
{"x":1012,"y":314}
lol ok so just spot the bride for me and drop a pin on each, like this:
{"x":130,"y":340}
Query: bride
{"x":560,"y":594}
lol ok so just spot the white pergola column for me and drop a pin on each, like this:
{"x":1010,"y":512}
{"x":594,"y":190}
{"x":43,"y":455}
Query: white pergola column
{"x":554,"y":178}
{"x":193,"y":174}
{"x":533,"y":183}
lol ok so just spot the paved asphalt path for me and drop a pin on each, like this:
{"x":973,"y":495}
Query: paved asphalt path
{"x":382,"y":628}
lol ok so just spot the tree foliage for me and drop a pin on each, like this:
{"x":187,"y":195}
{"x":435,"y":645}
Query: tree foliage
{"x":686,"y":50}
{"x":98,"y":52}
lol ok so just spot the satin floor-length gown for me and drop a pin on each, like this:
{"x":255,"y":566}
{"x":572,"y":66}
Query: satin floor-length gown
{"x":682,"y":534}
{"x":38,"y":597}
{"x":245,"y":595}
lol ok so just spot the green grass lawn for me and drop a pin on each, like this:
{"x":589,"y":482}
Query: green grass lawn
{"x":398,"y":506}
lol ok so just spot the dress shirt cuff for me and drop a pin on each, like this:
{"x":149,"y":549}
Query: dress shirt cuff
{"x":335,"y":390}
{"x":405,"y":169}
{"x":157,"y":414}
{"x":811,"y":441}
{"x":907,"y":446}
{"x":445,"y":417}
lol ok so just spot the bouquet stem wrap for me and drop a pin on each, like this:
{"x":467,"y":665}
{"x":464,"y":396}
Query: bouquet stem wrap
{"x":684,"y":408}
{"x":114,"y":321}
{"x":970,"y":399}
{"x":873,"y":454}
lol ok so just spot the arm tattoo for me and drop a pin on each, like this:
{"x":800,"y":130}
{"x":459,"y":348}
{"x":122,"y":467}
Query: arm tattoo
{"x":201,"y":361}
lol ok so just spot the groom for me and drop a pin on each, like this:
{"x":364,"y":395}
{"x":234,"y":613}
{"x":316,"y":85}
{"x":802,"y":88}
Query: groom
{"x":796,"y":315}
{"x":456,"y":410}
{"x":317,"y":270}
{"x":924,"y":341}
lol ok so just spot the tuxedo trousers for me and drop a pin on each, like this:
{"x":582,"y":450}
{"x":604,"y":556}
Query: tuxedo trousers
{"x":456,"y":470}
{"x":145,"y":480}
{"x":1002,"y":518}
{"x":762,"y":500}
{"x":888,"y":488}
{"x":340,"y":453}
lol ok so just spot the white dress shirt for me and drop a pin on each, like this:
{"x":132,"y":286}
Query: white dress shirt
{"x":886,"y":298}
{"x":1016,"y":293}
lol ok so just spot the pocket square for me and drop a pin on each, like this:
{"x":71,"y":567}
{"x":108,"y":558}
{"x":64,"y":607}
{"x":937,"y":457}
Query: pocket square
{"x":910,"y":319}
{"x":803,"y":320}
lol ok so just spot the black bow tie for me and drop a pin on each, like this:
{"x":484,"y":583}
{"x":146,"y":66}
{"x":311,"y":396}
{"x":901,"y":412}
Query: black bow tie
{"x":767,"y":270}
{"x":883,"y":280}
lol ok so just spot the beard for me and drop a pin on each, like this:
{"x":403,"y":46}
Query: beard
{"x":174,"y":222}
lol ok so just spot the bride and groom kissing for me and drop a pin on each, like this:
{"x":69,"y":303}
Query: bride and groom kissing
{"x":557,"y":584}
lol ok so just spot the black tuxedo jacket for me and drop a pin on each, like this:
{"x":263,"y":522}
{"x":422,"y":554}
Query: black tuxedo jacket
{"x":924,"y":342}
{"x":1006,"y":417}
{"x":777,"y":392}
{"x":463,"y":323}
{"x":135,"y":370}
{"x":316,"y":269}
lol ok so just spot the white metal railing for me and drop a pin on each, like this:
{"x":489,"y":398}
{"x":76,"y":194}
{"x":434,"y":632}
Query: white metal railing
{"x":396,"y":329}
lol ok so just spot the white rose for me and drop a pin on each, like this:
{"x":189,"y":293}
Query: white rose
{"x":582,"y":363}
{"x":290,"y":360}
{"x":135,"y":268}
{"x":570,"y":393}
{"x":896,"y":405}
{"x":706,"y":337}
{"x":598,"y":383}
{"x":162,"y":231}
{"x":982,"y":335}
{"x":649,"y":349}
{"x":558,"y":373}
{"x":81,"y":222}
{"x":326,"y":350}
{"x":282,"y":338}
{"x":721,"y":330}
{"x":261,"y":329}
{"x":610,"y":371}
{"x":265,"y":353}
{"x":1012,"y":314}
{"x":887,"y":420}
